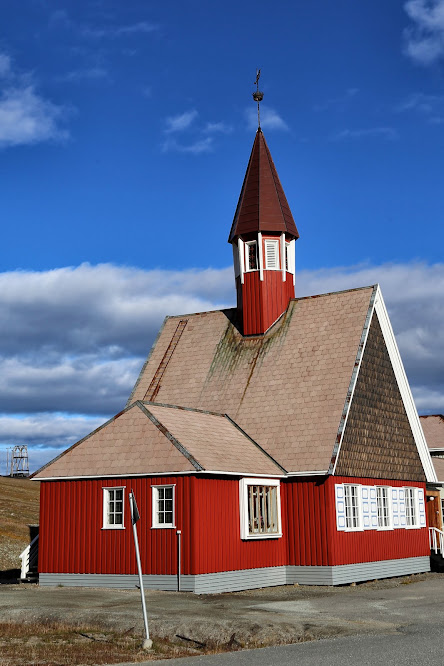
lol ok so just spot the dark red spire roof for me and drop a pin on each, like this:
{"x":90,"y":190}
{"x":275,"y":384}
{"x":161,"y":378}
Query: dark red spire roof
{"x":262,"y":204}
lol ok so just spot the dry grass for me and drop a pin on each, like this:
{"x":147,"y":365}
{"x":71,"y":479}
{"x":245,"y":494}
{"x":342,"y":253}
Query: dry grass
{"x":52,"y":643}
{"x":19,"y":507}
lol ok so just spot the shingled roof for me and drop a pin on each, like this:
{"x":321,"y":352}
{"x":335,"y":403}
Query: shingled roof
{"x":433,"y":426}
{"x":262,"y":203}
{"x":286,"y":389}
{"x":148,"y":438}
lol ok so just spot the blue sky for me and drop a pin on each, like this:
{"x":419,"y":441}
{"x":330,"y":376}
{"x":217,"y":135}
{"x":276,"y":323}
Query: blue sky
{"x":125,"y":130}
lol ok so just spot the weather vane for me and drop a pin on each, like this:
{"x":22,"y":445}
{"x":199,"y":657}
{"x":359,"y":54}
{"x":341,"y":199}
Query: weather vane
{"x":258,"y":96}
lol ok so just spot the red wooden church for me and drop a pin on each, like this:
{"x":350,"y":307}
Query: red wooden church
{"x":279,"y":437}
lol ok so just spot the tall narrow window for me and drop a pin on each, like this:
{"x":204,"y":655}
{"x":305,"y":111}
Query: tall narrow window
{"x":271,"y":254}
{"x":113,"y":508}
{"x":251,"y":258}
{"x":260,"y":508}
{"x":411,"y":518}
{"x":352,"y":510}
{"x":382,"y":499}
{"x":163,"y":506}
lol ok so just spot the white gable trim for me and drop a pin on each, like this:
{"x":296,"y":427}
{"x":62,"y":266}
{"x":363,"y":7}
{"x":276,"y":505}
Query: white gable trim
{"x":404,"y":387}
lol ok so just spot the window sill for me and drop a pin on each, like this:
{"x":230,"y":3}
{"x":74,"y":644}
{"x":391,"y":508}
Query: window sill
{"x":163,"y":527}
{"x":113,"y":527}
{"x":252,"y":537}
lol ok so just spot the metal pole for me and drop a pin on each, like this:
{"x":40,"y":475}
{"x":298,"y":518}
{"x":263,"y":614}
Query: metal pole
{"x":179,"y":559}
{"x":147,"y":643}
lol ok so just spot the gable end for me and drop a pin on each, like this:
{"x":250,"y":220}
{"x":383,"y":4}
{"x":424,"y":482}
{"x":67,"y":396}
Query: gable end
{"x":378,"y":441}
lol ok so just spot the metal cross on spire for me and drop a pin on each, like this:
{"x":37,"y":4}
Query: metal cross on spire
{"x":258,"y":96}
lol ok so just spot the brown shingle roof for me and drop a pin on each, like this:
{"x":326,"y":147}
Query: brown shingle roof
{"x":438,"y":464}
{"x":149,"y":439}
{"x":286,"y":389}
{"x":262,"y":203}
{"x":433,"y":427}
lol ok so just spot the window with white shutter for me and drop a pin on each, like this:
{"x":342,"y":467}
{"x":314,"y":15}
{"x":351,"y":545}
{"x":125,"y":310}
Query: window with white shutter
{"x":271,"y":254}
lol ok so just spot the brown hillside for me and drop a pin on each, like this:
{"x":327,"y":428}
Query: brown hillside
{"x":19,"y":507}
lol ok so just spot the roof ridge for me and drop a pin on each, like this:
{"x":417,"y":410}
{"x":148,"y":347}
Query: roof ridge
{"x":180,"y":407}
{"x":164,"y":430}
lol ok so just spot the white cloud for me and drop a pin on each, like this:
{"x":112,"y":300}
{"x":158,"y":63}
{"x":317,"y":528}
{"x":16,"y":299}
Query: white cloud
{"x":180,"y":122}
{"x":76,"y":338}
{"x":5,"y":65}
{"x":87,"y":74}
{"x":26,"y":117}
{"x":372,"y":132}
{"x":142,"y":27}
{"x":220,"y":127}
{"x":424,"y":42}
{"x":195,"y":148}
{"x":270,"y":119}
{"x":431,"y":107}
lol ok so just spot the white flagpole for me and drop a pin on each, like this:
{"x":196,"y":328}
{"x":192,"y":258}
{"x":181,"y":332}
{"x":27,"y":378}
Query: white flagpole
{"x":147,"y":643}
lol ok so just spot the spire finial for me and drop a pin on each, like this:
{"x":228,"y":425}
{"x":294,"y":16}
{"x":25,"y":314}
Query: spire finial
{"x":258,"y":96}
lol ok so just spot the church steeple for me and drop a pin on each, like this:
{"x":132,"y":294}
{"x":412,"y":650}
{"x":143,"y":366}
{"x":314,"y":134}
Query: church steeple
{"x":263,"y":236}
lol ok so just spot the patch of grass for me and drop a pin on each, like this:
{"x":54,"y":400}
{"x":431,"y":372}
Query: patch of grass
{"x":50,"y":643}
{"x":19,"y":507}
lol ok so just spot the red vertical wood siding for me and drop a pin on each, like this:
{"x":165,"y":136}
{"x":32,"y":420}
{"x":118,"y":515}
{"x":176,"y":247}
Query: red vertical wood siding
{"x":373,"y":545}
{"x":217,"y":531}
{"x":263,"y":301}
{"x":207,"y":512}
{"x":306,"y":528}
{"x":72,"y":539}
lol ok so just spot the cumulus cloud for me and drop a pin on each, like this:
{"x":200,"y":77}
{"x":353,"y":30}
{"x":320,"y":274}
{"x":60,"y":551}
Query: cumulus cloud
{"x":424,"y":41}
{"x":26,"y":116}
{"x":270,"y":119}
{"x":76,"y":338}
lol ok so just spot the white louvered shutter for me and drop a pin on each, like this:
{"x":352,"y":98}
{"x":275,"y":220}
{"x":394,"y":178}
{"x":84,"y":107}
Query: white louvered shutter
{"x":421,"y":508}
{"x":395,"y":508}
{"x":340,"y":507}
{"x":402,"y":517}
{"x":271,"y":254}
{"x":373,"y":509}
{"x":365,"y":503}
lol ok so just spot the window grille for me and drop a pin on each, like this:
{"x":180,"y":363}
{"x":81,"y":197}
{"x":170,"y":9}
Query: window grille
{"x":163,"y":506}
{"x":113,"y":507}
{"x":262,"y":510}
{"x":410,"y":507}
{"x":251,"y":257}
{"x":352,"y":514}
{"x":382,"y":496}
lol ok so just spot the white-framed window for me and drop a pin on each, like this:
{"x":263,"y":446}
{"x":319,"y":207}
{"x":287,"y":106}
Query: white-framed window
{"x":361,"y":507}
{"x":271,"y":248}
{"x":251,"y":256}
{"x":260,"y":508}
{"x":113,"y":508}
{"x":163,"y":506}
{"x":411,"y":509}
{"x":352,"y":500}
{"x":384,"y":508}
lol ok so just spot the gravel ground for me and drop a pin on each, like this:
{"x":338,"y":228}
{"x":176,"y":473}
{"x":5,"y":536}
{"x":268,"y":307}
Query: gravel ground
{"x":267,"y":616}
